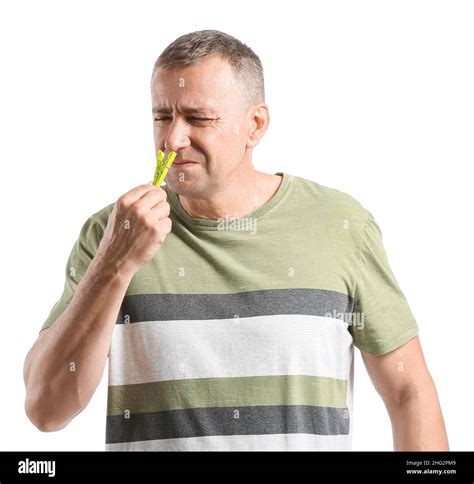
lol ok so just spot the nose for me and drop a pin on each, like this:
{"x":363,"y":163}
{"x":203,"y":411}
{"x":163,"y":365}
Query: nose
{"x":177,"y":136}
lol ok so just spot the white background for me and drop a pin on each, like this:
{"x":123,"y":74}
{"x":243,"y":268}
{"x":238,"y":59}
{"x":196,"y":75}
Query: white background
{"x":374,"y":98}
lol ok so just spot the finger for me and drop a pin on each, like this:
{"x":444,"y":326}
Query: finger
{"x":135,"y":193}
{"x":161,"y":210}
{"x":164,"y":225}
{"x":152,"y":197}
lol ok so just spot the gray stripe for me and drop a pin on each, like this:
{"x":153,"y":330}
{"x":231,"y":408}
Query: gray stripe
{"x":199,"y":422}
{"x":167,"y":307}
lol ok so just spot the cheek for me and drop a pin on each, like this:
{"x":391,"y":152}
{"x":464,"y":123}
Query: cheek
{"x":236,"y":143}
{"x":229,"y":146}
{"x":158,"y":135}
{"x":233,"y":136}
{"x":229,"y":153}
{"x":217,"y":142}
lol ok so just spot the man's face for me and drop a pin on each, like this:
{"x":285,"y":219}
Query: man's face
{"x":199,"y":112}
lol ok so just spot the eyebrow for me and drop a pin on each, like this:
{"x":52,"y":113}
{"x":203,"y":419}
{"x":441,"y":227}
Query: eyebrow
{"x":184,"y":110}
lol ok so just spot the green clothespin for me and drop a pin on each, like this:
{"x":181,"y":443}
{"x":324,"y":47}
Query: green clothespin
{"x":162,"y":166}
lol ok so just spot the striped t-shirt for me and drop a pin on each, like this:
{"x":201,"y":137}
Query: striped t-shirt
{"x":239,"y":333}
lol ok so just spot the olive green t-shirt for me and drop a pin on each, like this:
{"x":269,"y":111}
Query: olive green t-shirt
{"x":239,"y":333}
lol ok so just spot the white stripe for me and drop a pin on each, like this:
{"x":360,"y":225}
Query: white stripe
{"x":264,"y":345}
{"x":275,"y":442}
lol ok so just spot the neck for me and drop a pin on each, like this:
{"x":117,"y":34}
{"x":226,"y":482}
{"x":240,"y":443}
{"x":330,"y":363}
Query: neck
{"x":240,"y":197}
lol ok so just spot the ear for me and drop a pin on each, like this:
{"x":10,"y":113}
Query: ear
{"x":259,"y":120}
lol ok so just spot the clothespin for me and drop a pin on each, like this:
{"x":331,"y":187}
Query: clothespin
{"x":162,"y":166}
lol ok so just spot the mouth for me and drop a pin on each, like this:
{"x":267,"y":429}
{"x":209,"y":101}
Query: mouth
{"x":184,"y":163}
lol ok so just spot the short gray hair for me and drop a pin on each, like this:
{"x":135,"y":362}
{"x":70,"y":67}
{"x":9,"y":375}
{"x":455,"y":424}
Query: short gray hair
{"x":190,"y":49}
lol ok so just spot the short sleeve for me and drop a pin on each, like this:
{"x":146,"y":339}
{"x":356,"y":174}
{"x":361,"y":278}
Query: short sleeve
{"x":383,"y":320}
{"x":82,"y":253}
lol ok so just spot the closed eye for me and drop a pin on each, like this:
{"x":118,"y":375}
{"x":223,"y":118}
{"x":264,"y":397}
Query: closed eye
{"x":191,"y":118}
{"x":200,"y":119}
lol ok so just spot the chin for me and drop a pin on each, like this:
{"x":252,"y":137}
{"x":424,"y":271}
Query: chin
{"x":187,"y":188}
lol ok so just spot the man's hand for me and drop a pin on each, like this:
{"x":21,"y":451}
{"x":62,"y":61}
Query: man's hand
{"x":137,"y":226}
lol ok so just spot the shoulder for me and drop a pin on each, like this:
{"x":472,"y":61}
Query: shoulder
{"x":94,"y":226}
{"x":101,"y":217}
{"x":329,"y":201}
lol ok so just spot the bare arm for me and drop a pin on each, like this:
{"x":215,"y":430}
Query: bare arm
{"x":65,"y":365}
{"x":402,"y":379}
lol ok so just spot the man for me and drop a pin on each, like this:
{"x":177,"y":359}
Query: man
{"x":229,"y":301}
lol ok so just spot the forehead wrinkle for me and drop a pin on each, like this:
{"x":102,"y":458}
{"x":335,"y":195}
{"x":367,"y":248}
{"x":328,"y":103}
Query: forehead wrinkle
{"x":186,"y":109}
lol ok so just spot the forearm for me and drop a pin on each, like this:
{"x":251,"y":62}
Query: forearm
{"x":64,"y":368}
{"x":417,"y":421}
